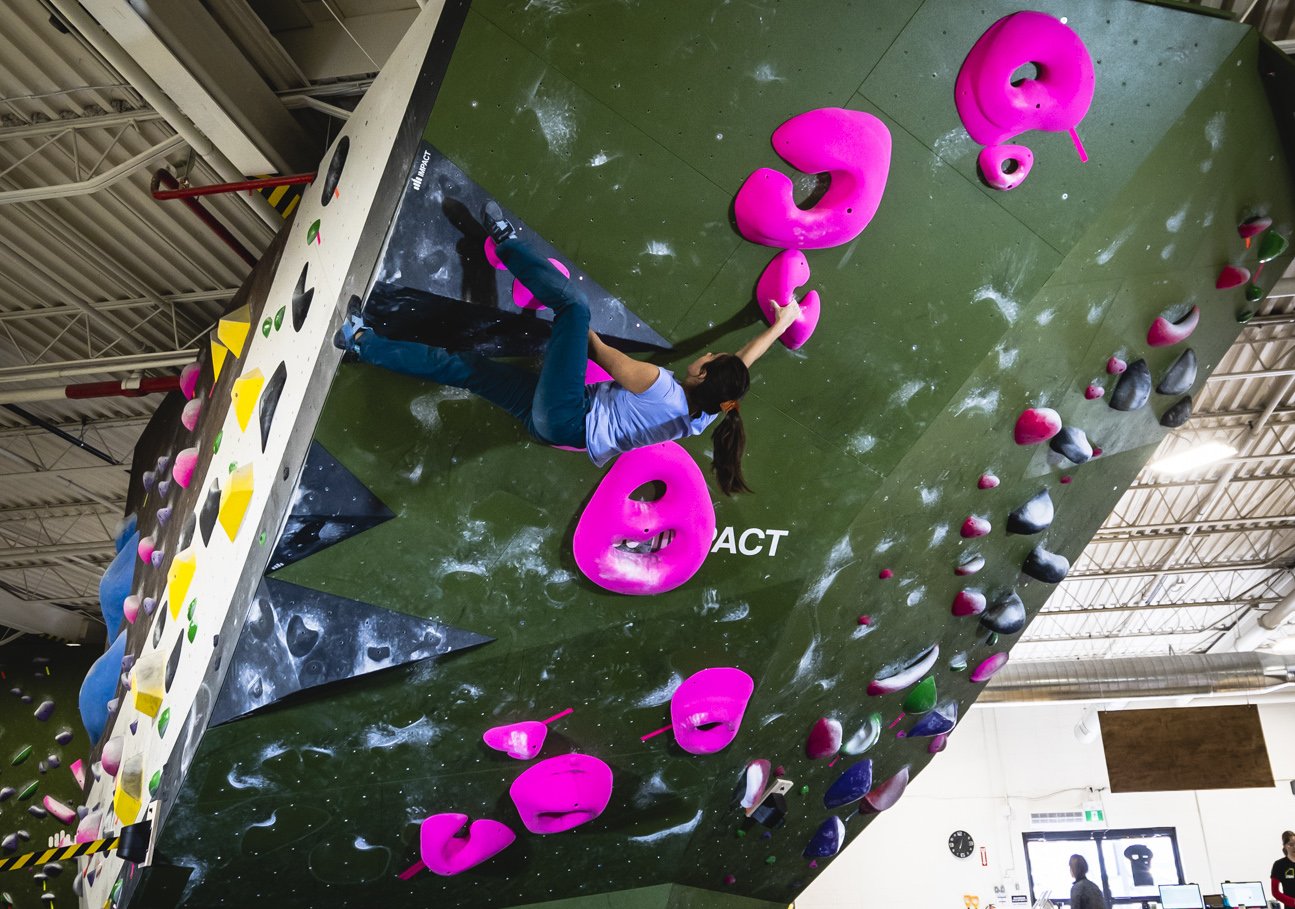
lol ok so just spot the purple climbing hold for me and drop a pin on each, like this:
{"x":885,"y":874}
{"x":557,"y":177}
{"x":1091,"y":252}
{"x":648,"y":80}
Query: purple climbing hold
{"x":1072,"y":444}
{"x":968,"y":602}
{"x":1049,"y":567}
{"x":1006,"y":615}
{"x":824,"y":739}
{"x":827,"y":840}
{"x":150,"y":604}
{"x":975,"y":526}
{"x":939,"y":721}
{"x":1034,"y":516}
{"x":937,"y":744}
{"x":7,"y":793}
{"x":37,"y":811}
{"x":1035,"y":425}
{"x":163,"y":488}
{"x":969,"y":565}
{"x":164,"y":514}
{"x":149,"y":478}
{"x":1180,"y":376}
{"x":985,"y":670}
{"x":886,"y":794}
{"x":44,"y":711}
{"x":52,"y":762}
{"x":63,"y":736}
{"x":9,"y":843}
{"x":901,"y":674}
{"x":852,"y":785}
{"x":156,"y":558}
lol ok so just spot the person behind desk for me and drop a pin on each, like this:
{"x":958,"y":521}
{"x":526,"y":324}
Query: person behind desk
{"x":1283,"y":873}
{"x":1084,"y":894}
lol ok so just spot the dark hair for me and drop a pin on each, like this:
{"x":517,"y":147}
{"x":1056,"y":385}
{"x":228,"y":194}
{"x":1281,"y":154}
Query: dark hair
{"x":1287,"y":836}
{"x":724,"y":378}
{"x":1080,"y":864}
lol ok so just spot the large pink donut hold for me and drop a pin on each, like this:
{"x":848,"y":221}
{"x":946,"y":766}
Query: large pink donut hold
{"x":562,"y":792}
{"x":524,"y":298}
{"x":852,"y":147}
{"x":779,"y":280}
{"x":706,"y":710}
{"x":446,"y":853}
{"x":993,"y":109}
{"x":642,"y":548}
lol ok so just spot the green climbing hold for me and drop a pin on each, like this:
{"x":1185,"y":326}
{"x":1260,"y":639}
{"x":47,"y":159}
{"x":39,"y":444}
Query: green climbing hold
{"x":21,"y":755}
{"x":771,"y":859}
{"x":741,"y":834}
{"x":1245,"y":316}
{"x":266,"y":326}
{"x":193,"y":605}
{"x":233,"y":466}
{"x":261,"y":539}
{"x":804,"y":790}
{"x":312,"y":233}
{"x":28,"y":791}
{"x":155,"y":780}
{"x":278,"y":317}
{"x":115,"y":895}
{"x":215,"y":446}
{"x":1271,"y":245}
{"x":193,"y":632}
{"x":164,"y":718}
{"x":921,"y":698}
{"x":1254,"y":293}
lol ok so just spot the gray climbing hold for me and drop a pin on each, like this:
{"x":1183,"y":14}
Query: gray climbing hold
{"x":44,"y":711}
{"x":301,"y":637}
{"x":1032,"y":517}
{"x":37,"y":811}
{"x":1134,"y":387}
{"x":1180,"y":376}
{"x":1006,"y":615}
{"x":52,"y":869}
{"x":1045,"y":566}
{"x":63,"y":736}
{"x":1072,"y":444}
{"x":1177,"y":415}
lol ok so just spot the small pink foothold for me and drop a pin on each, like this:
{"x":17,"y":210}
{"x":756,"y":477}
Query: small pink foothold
{"x":446,"y":853}
{"x":77,"y":769}
{"x":813,"y":864}
{"x":975,"y":527}
{"x":1164,"y":333}
{"x":145,"y":548}
{"x":937,"y":743}
{"x":189,"y":416}
{"x":521,"y":741}
{"x":1232,"y":276}
{"x":780,"y":770}
{"x":522,"y":296}
{"x":1093,"y":392}
{"x":130,"y":606}
{"x":1115,"y":366}
{"x":1097,"y":452}
{"x":185,"y":463}
{"x":730,"y":880}
{"x":987,"y":481}
{"x":1067,"y":478}
{"x":885,"y":574}
{"x":998,"y":173}
{"x":968,"y":602}
{"x":1035,"y":425}
{"x":985,"y":670}
{"x":561,"y":793}
{"x":865,"y":620}
{"x":189,"y":380}
{"x":1252,"y":227}
{"x":492,"y":255}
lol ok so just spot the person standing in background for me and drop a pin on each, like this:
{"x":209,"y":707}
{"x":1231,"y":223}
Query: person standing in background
{"x":1084,"y":894}
{"x":1283,"y":873}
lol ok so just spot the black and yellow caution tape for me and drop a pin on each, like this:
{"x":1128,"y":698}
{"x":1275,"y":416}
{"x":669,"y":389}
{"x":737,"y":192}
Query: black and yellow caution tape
{"x":284,"y":198}
{"x":57,"y":854}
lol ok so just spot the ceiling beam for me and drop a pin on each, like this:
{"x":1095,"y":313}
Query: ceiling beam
{"x":90,"y":121}
{"x":89,"y":474}
{"x":1203,"y":604}
{"x":57,"y":312}
{"x":1159,"y":533}
{"x":62,"y":510}
{"x":13,"y":432}
{"x":55,"y":554}
{"x":164,"y":359}
{"x":42,"y":617}
{"x":1149,"y":571}
{"x":96,"y":183}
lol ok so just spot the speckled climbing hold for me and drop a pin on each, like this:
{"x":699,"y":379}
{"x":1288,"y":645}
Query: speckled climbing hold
{"x":1093,"y":392}
{"x":867,"y":735}
{"x":1164,"y":333}
{"x":969,"y":565}
{"x":827,"y":840}
{"x":1115,"y":366}
{"x":1035,"y":425}
{"x":853,"y":784}
{"x":190,"y":414}
{"x":1232,"y":276}
{"x":886,"y":794}
{"x":968,"y":602}
{"x":28,"y":791}
{"x":706,"y":709}
{"x":1133,"y":389}
{"x":1177,"y":415}
{"x":986,"y":668}
{"x":1254,"y":293}
{"x":44,"y":710}
{"x":778,"y":282}
{"x":1072,"y":444}
{"x":939,"y":721}
{"x":885,"y":574}
{"x":561,"y":793}
{"x":987,"y":481}
{"x":1049,"y":567}
{"x":824,"y":739}
{"x":899,"y":675}
{"x":1032,"y":517}
{"x":921,"y":698}
{"x":189,"y":379}
{"x":1252,"y":227}
{"x":1271,"y":245}
{"x":975,"y":526}
{"x":1180,"y":376}
{"x":1006,"y":615}
{"x":20,"y":755}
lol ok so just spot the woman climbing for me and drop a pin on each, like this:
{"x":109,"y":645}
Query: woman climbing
{"x":643,"y":405}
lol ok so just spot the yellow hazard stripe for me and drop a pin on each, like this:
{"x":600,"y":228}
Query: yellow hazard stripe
{"x":18,"y":862}
{"x":276,"y":194}
{"x":292,"y":205}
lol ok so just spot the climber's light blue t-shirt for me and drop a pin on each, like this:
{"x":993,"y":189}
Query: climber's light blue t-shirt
{"x":619,"y":420}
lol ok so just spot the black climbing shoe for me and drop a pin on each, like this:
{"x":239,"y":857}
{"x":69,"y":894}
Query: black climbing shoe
{"x":353,"y":324}
{"x":492,"y":218}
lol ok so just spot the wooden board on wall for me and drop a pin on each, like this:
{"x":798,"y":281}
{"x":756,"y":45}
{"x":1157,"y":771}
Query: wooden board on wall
{"x":1185,"y":748}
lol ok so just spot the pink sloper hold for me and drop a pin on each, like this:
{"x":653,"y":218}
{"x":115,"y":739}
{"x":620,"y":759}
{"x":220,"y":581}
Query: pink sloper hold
{"x":130,"y":607}
{"x":885,"y":795}
{"x":937,"y":743}
{"x":77,"y":769}
{"x":909,"y":675}
{"x":110,"y":757}
{"x":706,"y":710}
{"x":446,"y":853}
{"x":985,"y":670}
{"x":1252,"y":227}
{"x":524,"y":298}
{"x":642,"y":548}
{"x":517,"y":740}
{"x":1232,"y":276}
{"x":492,"y":255}
{"x":975,"y":526}
{"x":852,"y":147}
{"x":968,"y":602}
{"x":1005,"y":167}
{"x":1164,"y":333}
{"x":778,"y":282}
{"x":189,"y":416}
{"x":145,"y":548}
{"x":189,"y":380}
{"x":1035,"y":425}
{"x":60,"y":812}
{"x":824,"y":739}
{"x":185,"y":463}
{"x":561,"y":793}
{"x":88,"y":830}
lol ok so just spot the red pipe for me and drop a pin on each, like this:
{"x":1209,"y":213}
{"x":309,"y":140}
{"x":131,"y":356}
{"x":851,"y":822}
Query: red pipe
{"x":205,"y":217}
{"x":240,"y":186}
{"x":158,"y":385}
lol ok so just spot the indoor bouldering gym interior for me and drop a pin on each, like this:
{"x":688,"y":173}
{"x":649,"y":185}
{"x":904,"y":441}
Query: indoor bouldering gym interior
{"x":647,"y":454}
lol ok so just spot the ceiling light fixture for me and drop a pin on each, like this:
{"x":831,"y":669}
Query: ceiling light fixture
{"x":1194,"y":458}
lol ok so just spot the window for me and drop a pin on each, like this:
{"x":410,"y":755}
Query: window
{"x":1129,"y":865}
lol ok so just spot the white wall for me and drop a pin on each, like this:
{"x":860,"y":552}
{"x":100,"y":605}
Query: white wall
{"x":1003,"y":763}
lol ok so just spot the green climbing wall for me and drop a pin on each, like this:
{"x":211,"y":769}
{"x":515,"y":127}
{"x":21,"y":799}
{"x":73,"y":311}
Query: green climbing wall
{"x":620,"y":132}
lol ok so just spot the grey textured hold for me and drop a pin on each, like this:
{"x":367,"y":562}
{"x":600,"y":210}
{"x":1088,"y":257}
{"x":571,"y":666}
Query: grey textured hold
{"x":37,"y":811}
{"x":1134,"y":387}
{"x":1180,"y":376}
{"x":301,"y":637}
{"x":1034,"y":516}
{"x":44,"y":711}
{"x":1045,"y":566}
{"x":1177,"y":415}
{"x":63,"y":736}
{"x":1006,"y":615}
{"x":1072,"y":444}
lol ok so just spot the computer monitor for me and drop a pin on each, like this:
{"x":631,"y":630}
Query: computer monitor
{"x":1245,"y":896}
{"x":1181,"y":896}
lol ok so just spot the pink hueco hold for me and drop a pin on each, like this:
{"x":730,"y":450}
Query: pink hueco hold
{"x":968,"y":602}
{"x":130,"y":607}
{"x":77,"y":769}
{"x":993,"y":157}
{"x":985,"y":670}
{"x":1115,"y":366}
{"x":1093,"y":392}
{"x":851,"y":146}
{"x":824,"y":739}
{"x":905,"y":677}
{"x":787,"y":271}
{"x":886,"y":794}
{"x":185,"y":463}
{"x":60,"y":812}
{"x":145,"y":548}
{"x":706,"y":710}
{"x":994,"y":110}
{"x":975,"y":526}
{"x":524,"y":298}
{"x":446,"y":853}
{"x":1232,"y":276}
{"x":189,"y":379}
{"x":492,"y":255}
{"x":563,"y":792}
{"x":1035,"y":425}
{"x":987,"y":481}
{"x":1163,"y":333}
{"x":189,"y":416}
{"x":616,"y":541}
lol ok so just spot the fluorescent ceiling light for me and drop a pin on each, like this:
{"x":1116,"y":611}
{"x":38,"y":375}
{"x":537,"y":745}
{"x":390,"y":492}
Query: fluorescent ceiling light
{"x":1193,"y":458}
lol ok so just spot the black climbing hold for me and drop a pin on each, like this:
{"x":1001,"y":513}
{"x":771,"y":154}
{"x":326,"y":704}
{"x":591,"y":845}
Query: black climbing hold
{"x":260,"y":619}
{"x":850,"y":786}
{"x":302,"y":296}
{"x":827,"y":840}
{"x":1181,"y":376}
{"x":158,"y":624}
{"x":1177,"y":415}
{"x":1032,"y":517}
{"x":336,"y":165}
{"x":1006,"y":615}
{"x":1045,"y":566}
{"x":1072,"y":444}
{"x":1134,"y":387}
{"x":378,"y":654}
{"x":172,"y":663}
{"x":270,"y":401}
{"x":301,"y":637}
{"x":209,"y":512}
{"x":186,"y":534}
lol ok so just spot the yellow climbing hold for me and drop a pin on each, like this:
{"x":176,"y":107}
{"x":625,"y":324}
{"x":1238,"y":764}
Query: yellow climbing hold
{"x":234,"y":499}
{"x":232,"y":329}
{"x":148,"y":682}
{"x":218,"y":353}
{"x":130,"y":783}
{"x":178,"y":579}
{"x":247,"y":390}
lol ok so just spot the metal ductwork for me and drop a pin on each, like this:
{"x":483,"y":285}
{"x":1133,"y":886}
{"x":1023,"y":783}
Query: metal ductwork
{"x":1139,"y":677}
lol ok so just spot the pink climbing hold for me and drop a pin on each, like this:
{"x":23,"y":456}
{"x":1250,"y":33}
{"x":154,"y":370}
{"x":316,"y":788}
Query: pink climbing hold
{"x":560,"y":793}
{"x":77,"y":769}
{"x":968,"y":602}
{"x":1252,"y":227}
{"x":185,"y":463}
{"x":60,"y":812}
{"x":1115,"y":366}
{"x":517,"y":740}
{"x":885,"y":574}
{"x":1163,"y":333}
{"x":1067,"y":479}
{"x":706,"y":710}
{"x":189,"y":416}
{"x":787,"y":271}
{"x":145,"y":548}
{"x":1005,"y":167}
{"x":130,"y":607}
{"x":88,"y":830}
{"x":189,"y":380}
{"x":641,"y":548}
{"x":975,"y":526}
{"x":1097,"y":452}
{"x":1232,"y":276}
{"x":885,"y":795}
{"x":492,"y":255}
{"x":524,"y":298}
{"x":1093,"y":392}
{"x":852,"y":147}
{"x":865,"y":620}
{"x":446,"y":853}
{"x":987,"y":481}
{"x":110,"y":757}
{"x":730,"y":879}
{"x":985,"y":670}
{"x":1035,"y":425}
{"x":824,"y":739}
{"x":937,"y":743}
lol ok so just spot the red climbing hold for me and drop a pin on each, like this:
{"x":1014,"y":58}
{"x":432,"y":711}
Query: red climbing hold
{"x":885,"y":574}
{"x":1115,"y":366}
{"x":987,"y":481}
{"x":1037,"y":424}
{"x":1093,"y":392}
{"x":975,"y":527}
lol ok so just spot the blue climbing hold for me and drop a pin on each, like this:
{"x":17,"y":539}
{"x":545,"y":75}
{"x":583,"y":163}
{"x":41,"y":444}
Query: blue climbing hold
{"x":939,"y":721}
{"x":115,"y":584}
{"x":827,"y":840}
{"x":850,"y":786}
{"x":99,"y":686}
